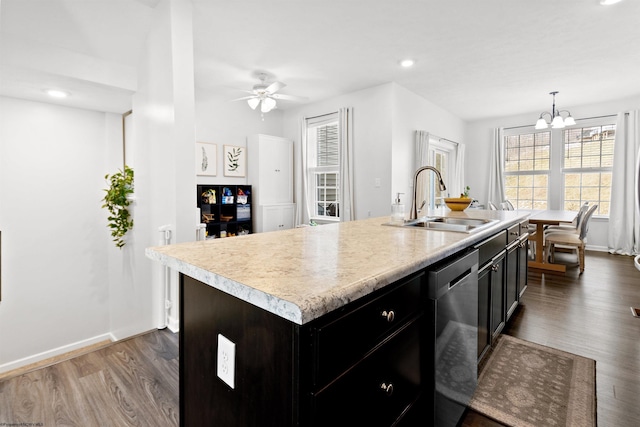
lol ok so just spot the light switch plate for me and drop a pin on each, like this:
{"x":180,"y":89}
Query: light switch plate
{"x":226,"y":360}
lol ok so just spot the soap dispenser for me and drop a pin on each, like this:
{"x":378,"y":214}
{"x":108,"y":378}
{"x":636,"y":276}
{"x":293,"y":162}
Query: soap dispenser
{"x":397,"y":211}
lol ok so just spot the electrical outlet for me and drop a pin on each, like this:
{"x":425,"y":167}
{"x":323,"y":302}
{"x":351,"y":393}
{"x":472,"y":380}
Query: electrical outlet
{"x":376,"y":182}
{"x":226,"y":360}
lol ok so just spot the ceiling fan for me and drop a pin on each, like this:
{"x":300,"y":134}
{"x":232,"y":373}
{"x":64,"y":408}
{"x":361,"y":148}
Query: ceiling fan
{"x":265,"y":95}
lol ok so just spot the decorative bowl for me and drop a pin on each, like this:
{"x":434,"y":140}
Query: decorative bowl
{"x":457,"y":203}
{"x":225,"y":218}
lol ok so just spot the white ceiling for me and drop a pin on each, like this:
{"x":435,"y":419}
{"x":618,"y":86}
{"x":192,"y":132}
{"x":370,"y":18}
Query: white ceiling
{"x":477,"y":59}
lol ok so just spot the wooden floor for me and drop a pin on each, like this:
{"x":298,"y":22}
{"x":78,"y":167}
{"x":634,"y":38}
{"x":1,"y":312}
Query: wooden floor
{"x":135,"y":382}
{"x":132,"y":382}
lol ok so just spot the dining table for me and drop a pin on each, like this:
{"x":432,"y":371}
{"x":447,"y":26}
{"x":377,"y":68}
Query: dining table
{"x":542,"y":218}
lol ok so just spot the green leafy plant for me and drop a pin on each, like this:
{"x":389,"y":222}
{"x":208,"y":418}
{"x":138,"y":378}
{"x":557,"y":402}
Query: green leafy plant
{"x":233,"y":157}
{"x":116,"y":202}
{"x":465,"y":195}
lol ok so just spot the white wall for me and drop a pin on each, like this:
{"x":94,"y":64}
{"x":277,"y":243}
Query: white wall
{"x":385,"y":119}
{"x":163,"y":157}
{"x":55,"y":292}
{"x":65,"y":284}
{"x":411,"y":112}
{"x":372,"y":144}
{"x":479,"y":136}
{"x":222,"y":122}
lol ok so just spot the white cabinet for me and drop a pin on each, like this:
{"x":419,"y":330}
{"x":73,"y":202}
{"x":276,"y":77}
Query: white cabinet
{"x":275,"y":217}
{"x":270,"y":169}
{"x":270,"y":173}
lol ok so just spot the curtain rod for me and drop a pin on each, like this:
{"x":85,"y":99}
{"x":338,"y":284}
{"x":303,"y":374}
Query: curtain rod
{"x":322,"y":115}
{"x":443,"y":139}
{"x":577,"y":120}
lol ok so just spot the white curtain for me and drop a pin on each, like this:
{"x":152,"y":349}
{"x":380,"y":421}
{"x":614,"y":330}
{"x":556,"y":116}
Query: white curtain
{"x":421,"y":159}
{"x":624,"y":223}
{"x":496,"y":169}
{"x":458,"y":184}
{"x":346,"y":164}
{"x":303,"y":213}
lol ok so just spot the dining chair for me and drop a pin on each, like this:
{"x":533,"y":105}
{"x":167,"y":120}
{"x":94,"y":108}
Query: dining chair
{"x":507,"y":206}
{"x":574,"y":226}
{"x":576,"y":241}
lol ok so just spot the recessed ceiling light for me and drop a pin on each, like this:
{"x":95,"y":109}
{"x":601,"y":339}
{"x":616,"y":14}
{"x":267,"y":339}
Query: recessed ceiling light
{"x":406,"y":63}
{"x":57,"y":93}
{"x":609,"y":2}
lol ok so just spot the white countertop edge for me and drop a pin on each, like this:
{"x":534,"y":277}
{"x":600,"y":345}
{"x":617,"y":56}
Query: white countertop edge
{"x":280,"y":307}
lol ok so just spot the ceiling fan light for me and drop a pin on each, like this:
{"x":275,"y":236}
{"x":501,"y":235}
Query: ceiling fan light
{"x":541,"y":124}
{"x":268,"y":104}
{"x":253,"y":102}
{"x":569,"y":121}
{"x":557,"y":122}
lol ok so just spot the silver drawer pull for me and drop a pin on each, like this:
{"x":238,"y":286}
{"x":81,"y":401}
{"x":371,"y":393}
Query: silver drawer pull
{"x":387,"y":388}
{"x":514,"y":233}
{"x":389,"y":315}
{"x":494,"y":267}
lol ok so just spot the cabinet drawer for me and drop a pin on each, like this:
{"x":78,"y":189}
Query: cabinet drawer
{"x":377,"y":390}
{"x":491,"y":247}
{"x":350,"y":334}
{"x":513,"y":233}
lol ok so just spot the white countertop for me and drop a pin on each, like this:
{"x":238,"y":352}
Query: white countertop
{"x":304,"y":273}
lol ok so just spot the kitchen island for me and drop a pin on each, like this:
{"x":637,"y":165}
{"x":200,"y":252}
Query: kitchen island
{"x":297,"y":305}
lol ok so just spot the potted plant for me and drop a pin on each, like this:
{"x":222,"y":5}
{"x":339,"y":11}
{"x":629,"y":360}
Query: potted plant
{"x":117,"y":201}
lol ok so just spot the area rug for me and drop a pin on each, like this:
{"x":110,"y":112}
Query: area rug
{"x":531,"y":385}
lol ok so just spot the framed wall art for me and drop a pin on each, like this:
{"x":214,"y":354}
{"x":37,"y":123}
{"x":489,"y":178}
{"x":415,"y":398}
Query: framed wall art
{"x":206,"y":159}
{"x":235,"y":161}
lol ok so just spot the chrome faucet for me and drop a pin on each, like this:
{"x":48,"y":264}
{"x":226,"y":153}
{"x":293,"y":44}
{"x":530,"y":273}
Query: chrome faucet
{"x":414,"y":206}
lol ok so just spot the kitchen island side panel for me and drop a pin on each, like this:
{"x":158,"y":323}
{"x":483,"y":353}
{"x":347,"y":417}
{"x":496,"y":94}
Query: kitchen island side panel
{"x":265,"y":369}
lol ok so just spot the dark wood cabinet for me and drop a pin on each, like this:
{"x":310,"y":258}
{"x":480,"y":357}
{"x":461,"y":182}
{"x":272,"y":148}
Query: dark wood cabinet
{"x":225,"y":209}
{"x":517,"y":266}
{"x":523,"y":265}
{"x":491,"y":293}
{"x":265,"y":361}
{"x":361,"y":364}
{"x":497,"y":286}
{"x":377,"y":390}
{"x":511,"y":277}
{"x":502,"y":279}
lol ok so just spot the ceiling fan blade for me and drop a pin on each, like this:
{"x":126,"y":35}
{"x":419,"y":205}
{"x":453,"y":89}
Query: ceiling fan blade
{"x":243,"y":98}
{"x":289,"y":97}
{"x":274,"y":87}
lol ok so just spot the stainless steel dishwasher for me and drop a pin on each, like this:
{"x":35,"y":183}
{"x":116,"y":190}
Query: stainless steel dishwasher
{"x":453,"y":306}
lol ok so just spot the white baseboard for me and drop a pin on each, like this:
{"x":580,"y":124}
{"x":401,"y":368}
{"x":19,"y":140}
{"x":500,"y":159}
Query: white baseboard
{"x":174,"y":325}
{"x":9,"y":366}
{"x":597,"y":248}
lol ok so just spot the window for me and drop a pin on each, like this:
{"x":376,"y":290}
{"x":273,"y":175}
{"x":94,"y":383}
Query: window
{"x":323,"y":167}
{"x":527,"y":167}
{"x":442,"y":157}
{"x":581,"y":171}
{"x":587,"y":167}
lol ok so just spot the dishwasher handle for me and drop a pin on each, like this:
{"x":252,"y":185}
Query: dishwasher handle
{"x":454,"y":273}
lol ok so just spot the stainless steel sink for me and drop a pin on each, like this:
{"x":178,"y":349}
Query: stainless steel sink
{"x":442,"y":223}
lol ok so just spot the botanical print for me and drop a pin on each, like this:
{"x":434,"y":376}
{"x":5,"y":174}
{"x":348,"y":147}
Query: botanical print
{"x":206,"y":159}
{"x":235,"y":162}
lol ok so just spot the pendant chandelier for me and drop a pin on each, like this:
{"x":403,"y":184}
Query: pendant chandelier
{"x":555,"y":117}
